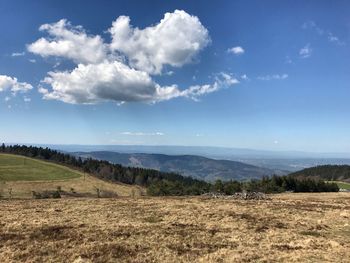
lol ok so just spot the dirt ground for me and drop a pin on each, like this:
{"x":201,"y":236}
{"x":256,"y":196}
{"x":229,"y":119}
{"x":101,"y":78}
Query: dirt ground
{"x":288,"y":228}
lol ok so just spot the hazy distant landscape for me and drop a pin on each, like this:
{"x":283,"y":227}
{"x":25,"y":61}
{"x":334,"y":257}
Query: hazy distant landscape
{"x":188,"y":165}
{"x":274,"y":160}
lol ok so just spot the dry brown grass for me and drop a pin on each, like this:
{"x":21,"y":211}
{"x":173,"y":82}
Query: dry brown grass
{"x":85,"y":185}
{"x":289,"y":228}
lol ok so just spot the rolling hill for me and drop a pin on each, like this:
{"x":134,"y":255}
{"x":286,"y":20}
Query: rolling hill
{"x":188,"y":165}
{"x":23,"y":175}
{"x":326,"y":172}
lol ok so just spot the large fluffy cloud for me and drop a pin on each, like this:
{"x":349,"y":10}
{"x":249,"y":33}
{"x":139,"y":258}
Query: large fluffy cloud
{"x":175,"y":40}
{"x":114,"y":81}
{"x":98,"y":82}
{"x":121,"y":70}
{"x":12,"y":84}
{"x":69,"y":42}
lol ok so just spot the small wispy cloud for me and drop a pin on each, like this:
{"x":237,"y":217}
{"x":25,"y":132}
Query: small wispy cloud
{"x":306,"y":51}
{"x":245,"y":77}
{"x":273,"y":77}
{"x":17,"y":54}
{"x":236,"y":50}
{"x":334,"y":39}
{"x":288,"y":60}
{"x":311,"y":25}
{"x":169,"y":73}
{"x":26,"y":99}
{"x":142,"y":133}
{"x":228,"y":79}
{"x":32,"y":60}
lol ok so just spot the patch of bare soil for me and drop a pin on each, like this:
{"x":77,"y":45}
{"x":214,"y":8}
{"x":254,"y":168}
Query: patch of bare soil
{"x":287,"y":228}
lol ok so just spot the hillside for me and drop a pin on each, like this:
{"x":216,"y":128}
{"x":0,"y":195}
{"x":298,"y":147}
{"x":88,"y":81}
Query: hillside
{"x":140,"y":178}
{"x":188,"y":165}
{"x":326,"y":172}
{"x":20,"y":168}
{"x":23,"y":175}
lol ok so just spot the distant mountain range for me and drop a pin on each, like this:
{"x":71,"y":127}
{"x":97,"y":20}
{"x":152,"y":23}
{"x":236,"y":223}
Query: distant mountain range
{"x":188,"y":165}
{"x":275,"y":160}
{"x":225,"y":153}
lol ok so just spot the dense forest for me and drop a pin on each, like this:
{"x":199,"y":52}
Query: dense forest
{"x":326,"y":172}
{"x":273,"y":184}
{"x":161,"y":183}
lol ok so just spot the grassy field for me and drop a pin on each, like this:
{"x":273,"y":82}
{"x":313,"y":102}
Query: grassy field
{"x":23,"y":175}
{"x":19,"y":168}
{"x":288,"y":228}
{"x":342,"y":185}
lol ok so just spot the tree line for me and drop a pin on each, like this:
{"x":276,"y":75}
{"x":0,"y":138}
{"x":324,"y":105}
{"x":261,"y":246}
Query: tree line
{"x":163,"y":183}
{"x":326,"y":172}
{"x":273,"y":184}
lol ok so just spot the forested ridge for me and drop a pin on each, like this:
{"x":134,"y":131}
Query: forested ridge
{"x":162,"y":183}
{"x":326,"y":172}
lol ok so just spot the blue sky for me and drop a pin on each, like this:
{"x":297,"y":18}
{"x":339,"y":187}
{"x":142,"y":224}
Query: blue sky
{"x":268,"y":75}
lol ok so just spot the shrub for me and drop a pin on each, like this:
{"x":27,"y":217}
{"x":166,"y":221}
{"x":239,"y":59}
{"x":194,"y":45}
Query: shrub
{"x":56,"y":194}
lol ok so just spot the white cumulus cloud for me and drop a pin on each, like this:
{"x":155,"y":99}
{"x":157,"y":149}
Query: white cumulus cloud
{"x":174,"y":41}
{"x":12,"y":84}
{"x":100,"y":82}
{"x":121,"y":71}
{"x":70,"y":42}
{"x":114,"y":81}
{"x":236,"y":50}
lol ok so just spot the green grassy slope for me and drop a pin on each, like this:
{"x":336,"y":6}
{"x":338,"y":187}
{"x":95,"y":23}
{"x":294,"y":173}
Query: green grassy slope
{"x":19,"y":168}
{"x":342,"y":185}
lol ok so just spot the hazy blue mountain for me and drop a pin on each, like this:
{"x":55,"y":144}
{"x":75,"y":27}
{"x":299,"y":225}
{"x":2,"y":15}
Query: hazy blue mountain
{"x":275,"y":160}
{"x":292,"y":164}
{"x":188,"y":165}
{"x":210,"y":152}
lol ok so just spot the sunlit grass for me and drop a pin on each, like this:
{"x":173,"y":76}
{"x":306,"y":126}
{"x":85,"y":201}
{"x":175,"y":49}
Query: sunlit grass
{"x":342,"y":185}
{"x":19,"y":168}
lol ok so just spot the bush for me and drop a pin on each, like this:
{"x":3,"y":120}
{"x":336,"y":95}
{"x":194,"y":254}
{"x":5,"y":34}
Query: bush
{"x":46,"y":195}
{"x":56,"y":194}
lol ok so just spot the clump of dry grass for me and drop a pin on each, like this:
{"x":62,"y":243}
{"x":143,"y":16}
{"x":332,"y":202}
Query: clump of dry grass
{"x":288,"y":228}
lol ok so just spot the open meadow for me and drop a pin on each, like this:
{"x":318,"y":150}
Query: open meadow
{"x":287,"y":228}
{"x":22,"y":175}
